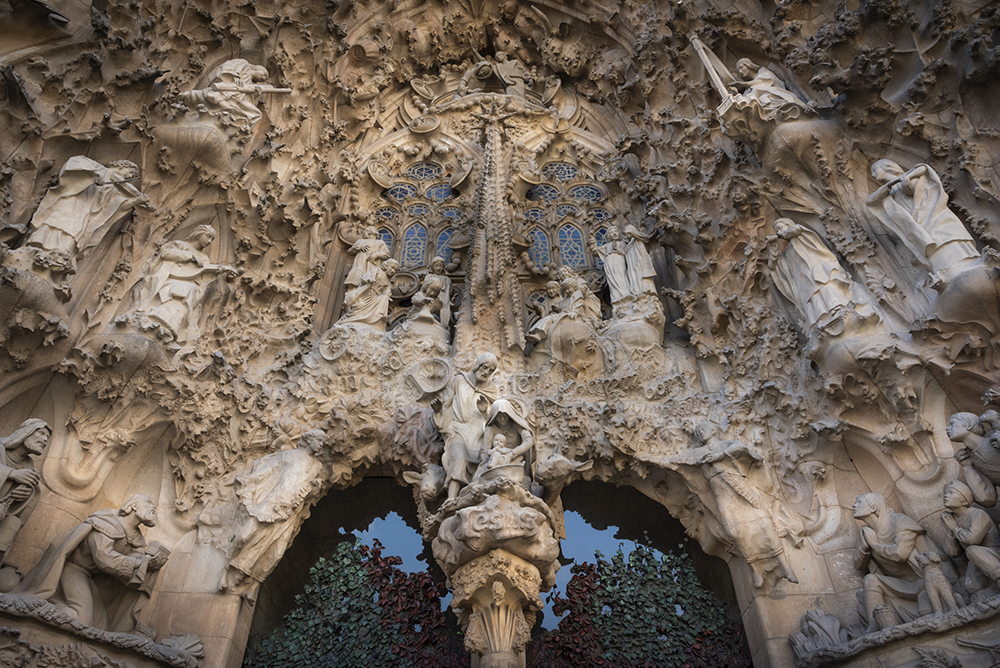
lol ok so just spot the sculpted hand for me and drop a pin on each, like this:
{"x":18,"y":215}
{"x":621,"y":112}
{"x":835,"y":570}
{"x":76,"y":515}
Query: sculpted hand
{"x":949,"y":520}
{"x":25,"y":477}
{"x":963,"y":455}
{"x":868,"y":536}
{"x":20,"y":493}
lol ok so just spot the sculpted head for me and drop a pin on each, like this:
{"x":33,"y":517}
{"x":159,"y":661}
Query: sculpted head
{"x":705,"y":433}
{"x":784,"y":226}
{"x":33,"y":435}
{"x":961,"y":425}
{"x":313,"y":440}
{"x":484,"y":367}
{"x":390,"y":267}
{"x":371,"y":232}
{"x":202,"y":236}
{"x":614,"y":234}
{"x":552,"y":289}
{"x":884,"y":170}
{"x":746,"y":68}
{"x":869,"y":504}
{"x":499,"y":441}
{"x":125,"y":170}
{"x":957,"y":495}
{"x":142,"y":506}
{"x":438,"y":265}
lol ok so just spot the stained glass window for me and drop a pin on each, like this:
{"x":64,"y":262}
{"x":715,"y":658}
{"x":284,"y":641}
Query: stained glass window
{"x":424,"y":171}
{"x":414,"y":245}
{"x":441,"y":247}
{"x":386,"y":213}
{"x":571,"y":246}
{"x":399,"y":192}
{"x":451,"y":212}
{"x":542,"y":191}
{"x":600,"y":215}
{"x":418,"y":210}
{"x":539,"y":251}
{"x":386,"y":236}
{"x":439,"y":192}
{"x":564,"y":210}
{"x":535,"y":214}
{"x":536,"y":297}
{"x":585,"y":193}
{"x":560,"y":171}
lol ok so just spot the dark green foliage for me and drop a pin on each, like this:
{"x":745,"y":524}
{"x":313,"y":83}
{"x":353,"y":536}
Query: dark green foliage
{"x":361,"y":610}
{"x":623,"y":613}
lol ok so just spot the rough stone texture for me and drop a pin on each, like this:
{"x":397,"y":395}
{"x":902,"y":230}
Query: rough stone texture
{"x":801,"y":290}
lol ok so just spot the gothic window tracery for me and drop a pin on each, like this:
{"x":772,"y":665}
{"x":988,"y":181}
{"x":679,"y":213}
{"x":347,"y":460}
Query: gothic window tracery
{"x":414,"y":246}
{"x":562,"y":209}
{"x":422,"y":213}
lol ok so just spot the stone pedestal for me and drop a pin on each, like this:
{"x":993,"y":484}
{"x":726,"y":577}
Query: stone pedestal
{"x":497,"y":599}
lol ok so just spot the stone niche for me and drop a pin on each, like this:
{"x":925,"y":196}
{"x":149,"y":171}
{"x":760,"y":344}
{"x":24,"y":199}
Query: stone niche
{"x":740,"y":258}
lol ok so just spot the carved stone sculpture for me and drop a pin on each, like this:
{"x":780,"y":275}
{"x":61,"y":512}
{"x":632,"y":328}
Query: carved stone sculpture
{"x":980,"y":458}
{"x":272,"y":495}
{"x":102,"y":572}
{"x":743,"y":508}
{"x":168,"y":301}
{"x":971,"y":531}
{"x":639,"y":263}
{"x":231,"y":97}
{"x":567,"y":332}
{"x":809,"y":274}
{"x":19,"y":480}
{"x":77,"y":214}
{"x":369,"y":252}
{"x":460,"y":415}
{"x":504,"y":419}
{"x":895,"y":587}
{"x":368,"y":303}
{"x":510,"y":72}
{"x":431,"y":311}
{"x":775,"y":99}
{"x":613,"y":254}
{"x":913,"y":205}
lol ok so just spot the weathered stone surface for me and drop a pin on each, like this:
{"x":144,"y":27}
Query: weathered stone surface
{"x":740,"y":256}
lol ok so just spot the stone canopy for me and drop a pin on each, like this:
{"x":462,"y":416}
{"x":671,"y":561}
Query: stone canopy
{"x":739,"y":256}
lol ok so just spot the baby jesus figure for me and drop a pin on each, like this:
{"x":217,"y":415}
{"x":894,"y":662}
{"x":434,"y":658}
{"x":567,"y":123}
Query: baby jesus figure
{"x":500,"y":455}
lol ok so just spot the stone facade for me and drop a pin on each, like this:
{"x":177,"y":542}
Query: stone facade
{"x":739,"y":256}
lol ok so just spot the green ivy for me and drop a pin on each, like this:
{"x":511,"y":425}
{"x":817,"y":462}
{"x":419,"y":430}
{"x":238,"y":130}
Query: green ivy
{"x":641,"y":610}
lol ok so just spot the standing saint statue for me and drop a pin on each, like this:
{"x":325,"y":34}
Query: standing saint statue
{"x":613,"y":254}
{"x":808,"y":274}
{"x":460,"y":415}
{"x":639,"y":263}
{"x":914,"y":206}
{"x":369,"y":252}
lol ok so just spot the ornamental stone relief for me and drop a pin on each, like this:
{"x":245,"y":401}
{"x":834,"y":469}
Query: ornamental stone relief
{"x":742,"y":257}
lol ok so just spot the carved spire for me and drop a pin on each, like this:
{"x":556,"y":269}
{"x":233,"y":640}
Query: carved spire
{"x":494,"y":303}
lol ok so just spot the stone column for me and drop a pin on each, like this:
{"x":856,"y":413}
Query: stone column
{"x":496,"y":597}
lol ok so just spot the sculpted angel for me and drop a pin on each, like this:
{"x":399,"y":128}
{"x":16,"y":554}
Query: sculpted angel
{"x":272,"y":495}
{"x":914,"y":206}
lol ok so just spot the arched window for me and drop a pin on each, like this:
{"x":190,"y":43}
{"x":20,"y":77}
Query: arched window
{"x":564,"y":210}
{"x":451,"y":212}
{"x":386,"y":213}
{"x":571,"y":246}
{"x":441,"y":247}
{"x":560,"y":171}
{"x":418,"y":210}
{"x":600,"y":215}
{"x":386,"y":236}
{"x":586,"y":193}
{"x":439,"y":192}
{"x":414,"y":246}
{"x":399,"y":192}
{"x":424,"y":171}
{"x":535,"y":214}
{"x":539,"y":250}
{"x":543,"y":192}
